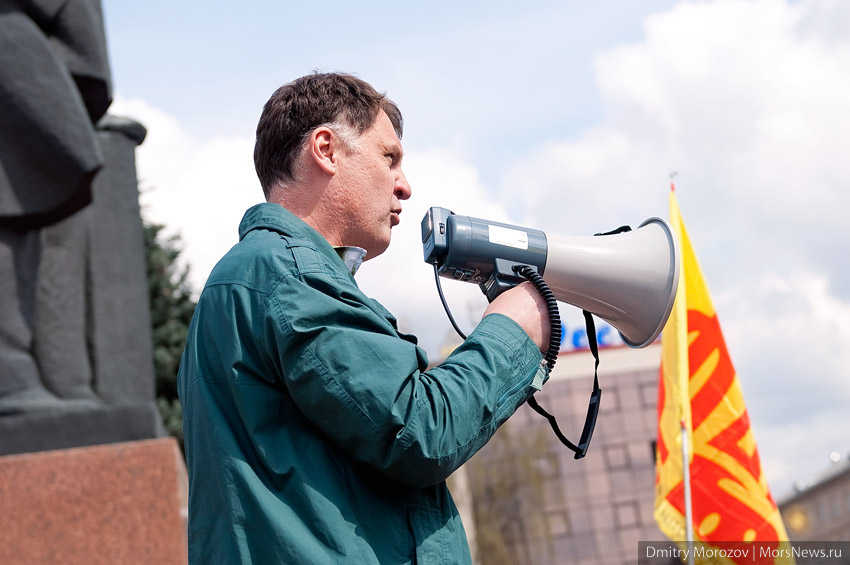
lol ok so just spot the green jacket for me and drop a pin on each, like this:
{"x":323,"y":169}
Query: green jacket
{"x":314,"y":432}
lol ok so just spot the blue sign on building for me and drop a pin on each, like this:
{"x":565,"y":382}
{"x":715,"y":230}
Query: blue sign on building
{"x":576,"y":338}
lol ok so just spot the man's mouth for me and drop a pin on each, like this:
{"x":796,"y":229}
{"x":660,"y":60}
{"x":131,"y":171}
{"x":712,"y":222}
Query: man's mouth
{"x":394,"y":218}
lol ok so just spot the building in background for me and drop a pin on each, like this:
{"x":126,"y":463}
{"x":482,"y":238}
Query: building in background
{"x":534,"y":503}
{"x":819,"y":509}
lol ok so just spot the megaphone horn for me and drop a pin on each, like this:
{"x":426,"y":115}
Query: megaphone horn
{"x":628,"y":279}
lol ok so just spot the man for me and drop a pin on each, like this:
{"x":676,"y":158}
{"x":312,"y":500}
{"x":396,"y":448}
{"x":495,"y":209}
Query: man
{"x":314,"y":431}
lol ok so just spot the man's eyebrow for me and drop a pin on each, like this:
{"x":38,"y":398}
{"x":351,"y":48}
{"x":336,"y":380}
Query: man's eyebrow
{"x":396,"y":151}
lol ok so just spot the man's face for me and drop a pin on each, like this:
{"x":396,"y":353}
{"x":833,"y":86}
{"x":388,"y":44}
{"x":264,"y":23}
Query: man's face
{"x":372,"y":187}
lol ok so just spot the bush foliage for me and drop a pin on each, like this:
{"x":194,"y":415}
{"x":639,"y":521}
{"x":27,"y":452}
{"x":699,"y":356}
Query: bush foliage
{"x":172,"y":306}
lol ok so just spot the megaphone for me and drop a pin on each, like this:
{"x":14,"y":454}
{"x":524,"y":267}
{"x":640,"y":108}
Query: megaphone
{"x":628,"y":279}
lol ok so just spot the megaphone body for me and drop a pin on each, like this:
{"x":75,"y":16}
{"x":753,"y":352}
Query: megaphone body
{"x":629,"y":279}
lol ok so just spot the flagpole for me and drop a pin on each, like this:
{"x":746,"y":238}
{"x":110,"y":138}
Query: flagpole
{"x":686,"y":476}
{"x":686,"y":463}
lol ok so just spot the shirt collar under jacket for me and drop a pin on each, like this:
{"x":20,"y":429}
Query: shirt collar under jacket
{"x":352,"y":256}
{"x":271,"y":216}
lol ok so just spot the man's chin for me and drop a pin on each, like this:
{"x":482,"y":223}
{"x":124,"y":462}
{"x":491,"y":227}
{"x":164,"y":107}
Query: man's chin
{"x":377,"y":248}
{"x":375,"y":252}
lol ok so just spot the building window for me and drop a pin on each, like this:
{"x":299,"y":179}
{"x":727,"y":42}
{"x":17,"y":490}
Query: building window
{"x":558,"y":523}
{"x":616,"y":457}
{"x":822,"y":512}
{"x":626,"y":514}
{"x":648,"y":395}
{"x":553,"y":494}
{"x":610,"y":401}
{"x":549,"y":466}
{"x":835,"y":505}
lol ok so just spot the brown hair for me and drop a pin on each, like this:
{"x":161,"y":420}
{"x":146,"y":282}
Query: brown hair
{"x":297,"y":108}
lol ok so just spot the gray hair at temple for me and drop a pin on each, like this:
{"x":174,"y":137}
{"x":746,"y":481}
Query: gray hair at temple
{"x":342,"y":102}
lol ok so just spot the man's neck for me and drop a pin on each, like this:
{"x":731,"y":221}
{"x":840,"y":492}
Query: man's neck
{"x":309,"y":206}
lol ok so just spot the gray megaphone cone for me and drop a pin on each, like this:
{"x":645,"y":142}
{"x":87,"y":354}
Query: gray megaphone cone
{"x":628,"y":279}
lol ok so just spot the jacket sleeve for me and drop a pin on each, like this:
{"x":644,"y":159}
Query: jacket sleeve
{"x":354,"y":377}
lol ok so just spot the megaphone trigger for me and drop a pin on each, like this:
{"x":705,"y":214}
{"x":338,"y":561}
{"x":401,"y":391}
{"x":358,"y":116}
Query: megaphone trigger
{"x":504,"y":276}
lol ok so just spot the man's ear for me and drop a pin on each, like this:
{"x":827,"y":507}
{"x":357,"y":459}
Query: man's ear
{"x":322,"y":149}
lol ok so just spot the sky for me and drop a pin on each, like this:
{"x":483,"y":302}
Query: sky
{"x":569,"y":117}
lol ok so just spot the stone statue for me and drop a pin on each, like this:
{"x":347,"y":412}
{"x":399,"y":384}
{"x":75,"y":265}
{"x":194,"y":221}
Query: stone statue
{"x":75,"y":349}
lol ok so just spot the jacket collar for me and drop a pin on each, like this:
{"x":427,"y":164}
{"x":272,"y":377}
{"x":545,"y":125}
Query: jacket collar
{"x":275,"y":217}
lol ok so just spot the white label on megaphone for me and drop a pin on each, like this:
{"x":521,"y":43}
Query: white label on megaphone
{"x":509,"y":237}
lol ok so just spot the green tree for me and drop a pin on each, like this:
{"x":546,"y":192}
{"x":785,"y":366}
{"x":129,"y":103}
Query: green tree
{"x":171,"y":311}
{"x":508,"y":482}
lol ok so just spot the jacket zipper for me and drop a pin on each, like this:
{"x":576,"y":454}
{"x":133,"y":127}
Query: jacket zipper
{"x":515,"y":387}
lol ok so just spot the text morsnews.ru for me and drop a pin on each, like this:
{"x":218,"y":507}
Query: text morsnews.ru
{"x":803,"y":553}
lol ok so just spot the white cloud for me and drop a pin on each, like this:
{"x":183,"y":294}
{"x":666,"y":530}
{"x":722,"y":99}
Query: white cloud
{"x":787,"y":339}
{"x":198,"y":188}
{"x":788,"y":333}
{"x":747,"y":99}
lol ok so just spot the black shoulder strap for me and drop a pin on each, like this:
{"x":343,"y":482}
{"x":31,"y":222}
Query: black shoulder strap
{"x":580,"y":450}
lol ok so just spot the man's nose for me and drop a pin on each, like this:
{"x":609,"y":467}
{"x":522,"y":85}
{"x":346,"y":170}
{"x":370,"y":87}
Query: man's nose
{"x":402,"y":187}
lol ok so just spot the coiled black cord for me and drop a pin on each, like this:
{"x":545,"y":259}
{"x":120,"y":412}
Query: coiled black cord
{"x":534,"y":278}
{"x":550,"y":356}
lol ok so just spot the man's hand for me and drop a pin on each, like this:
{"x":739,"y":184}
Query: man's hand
{"x":524,"y":305}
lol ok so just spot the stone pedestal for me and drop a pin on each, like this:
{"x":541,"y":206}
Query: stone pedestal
{"x":108,"y":504}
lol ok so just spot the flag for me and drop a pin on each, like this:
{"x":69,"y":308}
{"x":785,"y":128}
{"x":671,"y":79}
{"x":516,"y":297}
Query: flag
{"x":700,"y":398}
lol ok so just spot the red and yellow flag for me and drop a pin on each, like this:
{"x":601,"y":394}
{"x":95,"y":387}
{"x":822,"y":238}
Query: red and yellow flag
{"x":699,"y":392}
